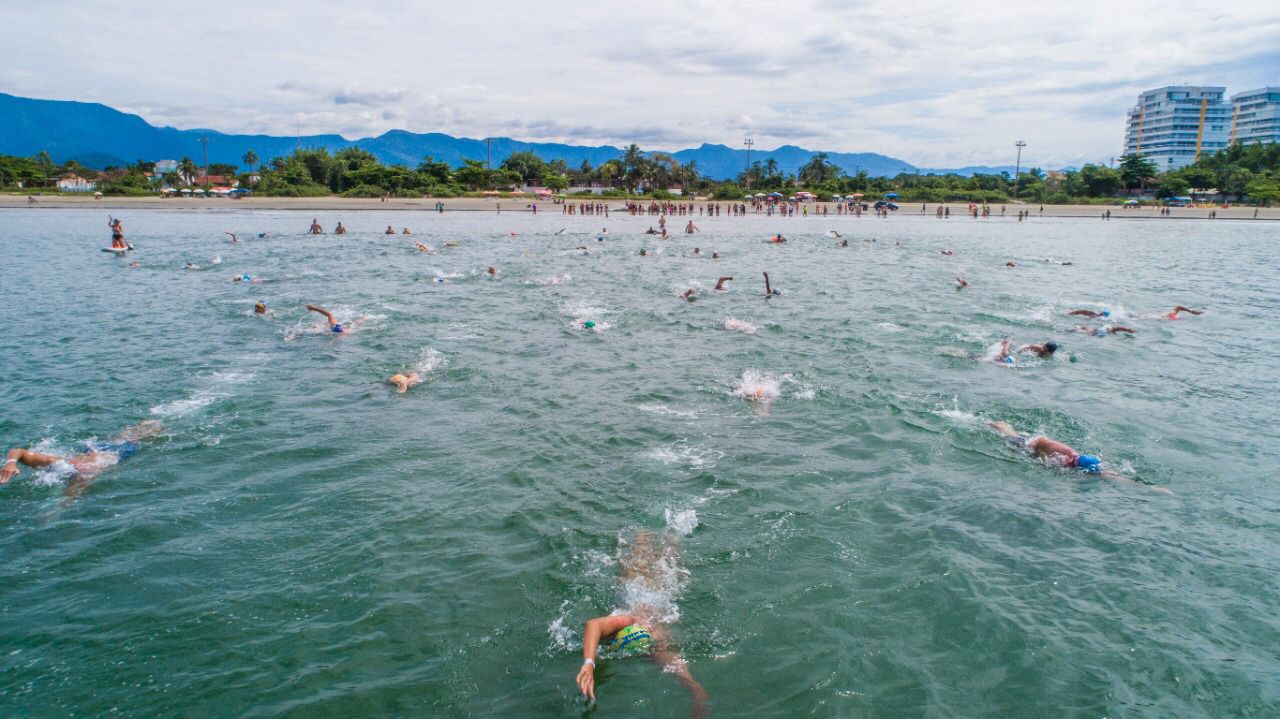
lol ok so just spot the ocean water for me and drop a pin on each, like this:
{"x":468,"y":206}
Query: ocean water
{"x":853,"y":541}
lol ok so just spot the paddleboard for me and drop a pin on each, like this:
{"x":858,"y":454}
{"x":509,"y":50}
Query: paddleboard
{"x":117,"y":250}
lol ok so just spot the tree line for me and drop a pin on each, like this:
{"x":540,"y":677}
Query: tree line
{"x":1240,"y":172}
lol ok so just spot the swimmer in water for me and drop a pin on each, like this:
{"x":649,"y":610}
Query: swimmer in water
{"x":697,"y":251}
{"x":404,"y":381}
{"x":234,"y":240}
{"x":1173,"y":314}
{"x":777,"y":238}
{"x":339,"y":230}
{"x":405,"y":231}
{"x":649,"y":569}
{"x":334,"y":326}
{"x":260,"y":309}
{"x":842,"y":243}
{"x":1104,"y":330}
{"x":1045,"y":350}
{"x":239,"y":278}
{"x":770,"y":291}
{"x":493,"y":271}
{"x":421,"y":247}
{"x":720,"y":283}
{"x":961,"y":283}
{"x":715,"y":255}
{"x":1004,"y":353}
{"x":833,"y":233}
{"x":1090,"y":313}
{"x":88,"y":464}
{"x":643,"y":252}
{"x":691,"y":228}
{"x":948,"y":253}
{"x":561,"y":231}
{"x":1060,"y":455}
{"x":316,"y":229}
{"x":651,"y":231}
{"x":688,"y":294}
{"x":390,"y":230}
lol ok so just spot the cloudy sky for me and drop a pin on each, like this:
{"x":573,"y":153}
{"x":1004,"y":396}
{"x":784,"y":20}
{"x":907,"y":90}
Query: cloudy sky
{"x":935,"y":83}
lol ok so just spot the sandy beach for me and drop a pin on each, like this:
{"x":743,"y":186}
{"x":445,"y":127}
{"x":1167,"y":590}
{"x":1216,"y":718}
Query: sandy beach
{"x":521,"y":204}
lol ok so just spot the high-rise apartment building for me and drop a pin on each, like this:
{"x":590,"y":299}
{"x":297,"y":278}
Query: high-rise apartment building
{"x":1256,"y":116}
{"x":1174,"y":126}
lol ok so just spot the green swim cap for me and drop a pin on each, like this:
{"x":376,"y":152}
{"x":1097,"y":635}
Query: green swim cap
{"x":588,"y":324}
{"x":633,"y":639}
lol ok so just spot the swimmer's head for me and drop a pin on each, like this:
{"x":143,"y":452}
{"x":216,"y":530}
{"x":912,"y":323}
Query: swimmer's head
{"x":777,"y":291}
{"x":1089,"y":463}
{"x":1050,"y":347}
{"x":1009,"y":359}
{"x":337,"y":327}
{"x":245,"y":278}
{"x":398,"y":378}
{"x":589,"y":324}
{"x":1106,"y":313}
{"x":260,"y":308}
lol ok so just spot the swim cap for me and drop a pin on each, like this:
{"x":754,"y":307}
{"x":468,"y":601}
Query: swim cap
{"x":777,"y":291}
{"x":337,"y":327}
{"x":1100,"y":332}
{"x":633,"y":639}
{"x":1010,"y":359}
{"x":397,"y":378}
{"x":1106,"y":313}
{"x":1051,"y":347}
{"x":245,"y":278}
{"x":1089,"y":463}
{"x":588,"y":324}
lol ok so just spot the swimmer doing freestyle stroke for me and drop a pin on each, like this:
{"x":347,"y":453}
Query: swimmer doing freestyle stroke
{"x":650,"y":577}
{"x":334,"y":325}
{"x":88,"y":464}
{"x":1061,"y":455}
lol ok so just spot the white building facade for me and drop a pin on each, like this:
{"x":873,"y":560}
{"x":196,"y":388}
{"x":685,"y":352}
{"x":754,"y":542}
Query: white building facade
{"x":1173,"y":126}
{"x":1256,"y":116}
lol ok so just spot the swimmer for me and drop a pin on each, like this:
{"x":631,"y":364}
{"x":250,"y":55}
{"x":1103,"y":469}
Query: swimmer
{"x":715,"y":255}
{"x":334,"y":325}
{"x":643,"y":252}
{"x":697,"y":251}
{"x":691,"y":228}
{"x":316,"y":229}
{"x":492,"y":271}
{"x":777,"y":238}
{"x":421,"y":247}
{"x":1060,"y":455}
{"x":262,"y":235}
{"x":241,"y":278}
{"x":770,"y":291}
{"x":134,"y":265}
{"x":87,"y":464}
{"x":688,"y":294}
{"x":604,"y":230}
{"x":842,"y":243}
{"x":1104,"y":330}
{"x":404,"y":381}
{"x":1045,"y":350}
{"x":833,"y":233}
{"x":1010,"y":264}
{"x":261,"y":309}
{"x":405,"y":231}
{"x":1004,"y":353}
{"x":561,"y":231}
{"x":1173,"y":314}
{"x":651,"y":231}
{"x":1090,"y":313}
{"x":720,"y":283}
{"x":664,"y":235}
{"x":340,"y":230}
{"x":390,"y":230}
{"x":191,"y":266}
{"x":234,"y":240}
{"x":649,"y":570}
{"x":948,"y":253}
{"x":961,"y":283}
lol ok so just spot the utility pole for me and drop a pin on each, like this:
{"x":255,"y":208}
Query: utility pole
{"x":204,"y":140}
{"x":1017,"y":169}
{"x":749,"y":143}
{"x":488,"y":160}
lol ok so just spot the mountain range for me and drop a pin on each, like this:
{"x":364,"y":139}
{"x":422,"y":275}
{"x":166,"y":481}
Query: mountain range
{"x":97,"y":136}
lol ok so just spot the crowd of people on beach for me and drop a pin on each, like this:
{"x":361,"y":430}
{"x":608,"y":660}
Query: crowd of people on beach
{"x":639,"y":629}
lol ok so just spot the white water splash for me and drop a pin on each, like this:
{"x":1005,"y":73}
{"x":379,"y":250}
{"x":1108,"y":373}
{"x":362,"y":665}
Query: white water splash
{"x":736,"y":325}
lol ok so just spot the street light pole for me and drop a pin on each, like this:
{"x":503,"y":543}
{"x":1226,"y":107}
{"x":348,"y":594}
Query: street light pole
{"x":749,"y":143}
{"x":204,"y":140}
{"x":1017,"y":169}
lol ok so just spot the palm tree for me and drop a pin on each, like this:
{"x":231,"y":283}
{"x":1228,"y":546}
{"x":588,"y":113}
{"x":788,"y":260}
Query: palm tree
{"x":250,"y":158}
{"x":45,"y":162}
{"x":187,"y":170}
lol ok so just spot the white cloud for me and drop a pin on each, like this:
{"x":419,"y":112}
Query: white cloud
{"x":935,"y":83}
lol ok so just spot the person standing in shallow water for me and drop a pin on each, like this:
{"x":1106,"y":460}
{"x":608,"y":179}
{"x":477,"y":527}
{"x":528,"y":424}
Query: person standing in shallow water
{"x":316,"y":229}
{"x":650,"y":569}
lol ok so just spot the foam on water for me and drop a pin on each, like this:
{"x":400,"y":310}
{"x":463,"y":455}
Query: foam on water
{"x":429,"y":361}
{"x":180,"y":407}
{"x":736,"y":325}
{"x":757,"y":386}
{"x":682,"y":453}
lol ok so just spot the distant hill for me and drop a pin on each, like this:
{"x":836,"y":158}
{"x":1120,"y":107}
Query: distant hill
{"x":96,"y":136}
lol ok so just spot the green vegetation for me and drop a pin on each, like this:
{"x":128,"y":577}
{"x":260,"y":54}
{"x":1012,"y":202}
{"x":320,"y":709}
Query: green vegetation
{"x":1242,"y":173}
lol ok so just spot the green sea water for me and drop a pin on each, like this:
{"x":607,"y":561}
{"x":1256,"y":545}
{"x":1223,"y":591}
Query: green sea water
{"x":304,"y":542}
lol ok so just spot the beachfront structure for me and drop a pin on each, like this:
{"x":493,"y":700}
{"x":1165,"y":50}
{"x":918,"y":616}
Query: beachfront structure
{"x":1173,"y":126}
{"x":1255,"y":116}
{"x":166,"y":167}
{"x":75,"y":183}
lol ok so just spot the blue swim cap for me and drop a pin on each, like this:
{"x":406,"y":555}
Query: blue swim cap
{"x":1106,"y":313}
{"x":1010,"y":359}
{"x":337,"y":327}
{"x":1088,"y":463}
{"x":245,"y":278}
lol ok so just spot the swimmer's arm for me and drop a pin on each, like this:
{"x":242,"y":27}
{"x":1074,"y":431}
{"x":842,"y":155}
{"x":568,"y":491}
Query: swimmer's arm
{"x":27,"y":457}
{"x":1117,"y":328}
{"x":670,"y":661}
{"x":1003,"y":428}
{"x":327,"y":314}
{"x":596,"y":628}
{"x":1117,"y":477}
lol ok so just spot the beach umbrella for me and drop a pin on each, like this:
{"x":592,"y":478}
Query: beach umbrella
{"x":856,"y":194}
{"x":761,"y":194}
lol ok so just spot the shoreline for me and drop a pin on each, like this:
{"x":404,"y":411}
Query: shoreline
{"x":959,"y":210}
